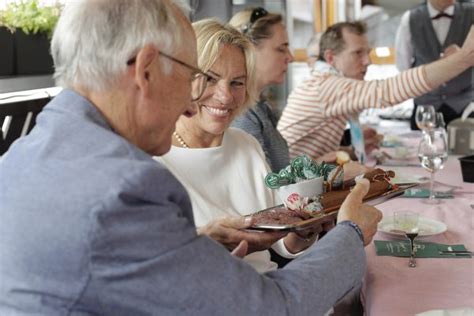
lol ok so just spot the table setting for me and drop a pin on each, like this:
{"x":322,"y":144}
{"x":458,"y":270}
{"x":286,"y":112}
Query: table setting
{"x":422,"y":256}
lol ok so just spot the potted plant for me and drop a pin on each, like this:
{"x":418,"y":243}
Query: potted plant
{"x":32,"y":25}
{"x":7,"y":52}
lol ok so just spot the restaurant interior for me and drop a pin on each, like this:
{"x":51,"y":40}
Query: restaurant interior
{"x":420,"y":261}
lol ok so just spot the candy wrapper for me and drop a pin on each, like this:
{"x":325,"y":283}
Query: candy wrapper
{"x":304,"y":206}
{"x":301,"y":168}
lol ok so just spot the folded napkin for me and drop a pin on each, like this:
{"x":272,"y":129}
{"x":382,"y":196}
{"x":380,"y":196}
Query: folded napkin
{"x":425,"y":193}
{"x":401,"y":248}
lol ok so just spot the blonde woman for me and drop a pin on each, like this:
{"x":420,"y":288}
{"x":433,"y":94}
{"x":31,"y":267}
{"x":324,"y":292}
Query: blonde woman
{"x":224,"y":168}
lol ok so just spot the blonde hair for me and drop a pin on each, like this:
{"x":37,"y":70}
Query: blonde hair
{"x":258,"y":30}
{"x":211,"y":36}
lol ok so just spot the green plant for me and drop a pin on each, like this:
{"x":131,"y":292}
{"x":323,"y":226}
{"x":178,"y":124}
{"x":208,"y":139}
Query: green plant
{"x":30,"y":17}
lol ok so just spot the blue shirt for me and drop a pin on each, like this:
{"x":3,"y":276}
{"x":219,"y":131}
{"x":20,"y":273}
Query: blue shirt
{"x":92,"y":225}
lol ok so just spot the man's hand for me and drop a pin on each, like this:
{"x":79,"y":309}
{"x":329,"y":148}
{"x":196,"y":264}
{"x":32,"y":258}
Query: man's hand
{"x":451,"y":49}
{"x":230,"y":232}
{"x":241,"y":250}
{"x":372,"y":140}
{"x":365,"y":216}
{"x":468,"y":47}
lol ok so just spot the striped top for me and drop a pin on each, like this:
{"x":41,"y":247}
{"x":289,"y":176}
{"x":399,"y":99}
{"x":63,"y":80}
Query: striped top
{"x":314,"y":119}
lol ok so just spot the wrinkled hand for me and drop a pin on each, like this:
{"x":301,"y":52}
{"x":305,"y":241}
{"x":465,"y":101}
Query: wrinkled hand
{"x":451,"y":49}
{"x":302,"y":239}
{"x":229,"y":231}
{"x":241,"y":250}
{"x":365,"y":216}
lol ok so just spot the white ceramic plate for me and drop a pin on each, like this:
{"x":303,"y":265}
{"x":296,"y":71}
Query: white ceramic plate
{"x":427,"y":226}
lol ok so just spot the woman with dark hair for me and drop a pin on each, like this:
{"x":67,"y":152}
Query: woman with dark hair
{"x":268,"y":34}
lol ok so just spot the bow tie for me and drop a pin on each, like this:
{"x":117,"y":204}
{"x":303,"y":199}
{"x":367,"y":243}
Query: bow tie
{"x":442,"y":15}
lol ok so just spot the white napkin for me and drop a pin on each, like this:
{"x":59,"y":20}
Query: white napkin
{"x":463,"y":311}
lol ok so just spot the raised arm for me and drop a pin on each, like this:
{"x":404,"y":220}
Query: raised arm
{"x":449,"y":67}
{"x":343,"y":96}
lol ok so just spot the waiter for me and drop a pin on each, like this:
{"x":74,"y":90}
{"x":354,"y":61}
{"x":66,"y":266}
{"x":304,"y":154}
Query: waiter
{"x":428,"y":32}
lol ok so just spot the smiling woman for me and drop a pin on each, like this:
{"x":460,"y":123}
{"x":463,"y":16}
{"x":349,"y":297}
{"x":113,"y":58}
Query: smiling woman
{"x":204,"y":147}
{"x":229,"y":88}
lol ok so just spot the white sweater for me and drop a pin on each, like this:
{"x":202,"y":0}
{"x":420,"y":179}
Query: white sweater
{"x":226,"y":180}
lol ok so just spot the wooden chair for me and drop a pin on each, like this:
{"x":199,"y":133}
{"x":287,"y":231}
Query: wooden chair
{"x":17,"y":119}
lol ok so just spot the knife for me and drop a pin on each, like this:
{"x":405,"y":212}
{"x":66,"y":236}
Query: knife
{"x":456,"y":252}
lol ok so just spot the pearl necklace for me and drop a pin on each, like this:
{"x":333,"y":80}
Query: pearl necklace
{"x":180,"y":140}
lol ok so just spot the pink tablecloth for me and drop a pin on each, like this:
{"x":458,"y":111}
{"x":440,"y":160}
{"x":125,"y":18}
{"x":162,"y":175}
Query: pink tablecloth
{"x":392,"y":288}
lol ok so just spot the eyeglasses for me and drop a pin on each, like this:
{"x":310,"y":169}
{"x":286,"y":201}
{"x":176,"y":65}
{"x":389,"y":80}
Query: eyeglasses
{"x":199,"y":78}
{"x":257,"y":13}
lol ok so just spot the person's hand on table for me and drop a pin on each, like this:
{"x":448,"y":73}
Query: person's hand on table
{"x":365,"y":216}
{"x":230,"y":232}
{"x":372,"y":139}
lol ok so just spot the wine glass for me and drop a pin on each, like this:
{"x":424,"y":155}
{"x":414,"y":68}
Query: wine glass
{"x":425,"y":117}
{"x":432,"y":153}
{"x":407,"y":222}
{"x":440,"y":120}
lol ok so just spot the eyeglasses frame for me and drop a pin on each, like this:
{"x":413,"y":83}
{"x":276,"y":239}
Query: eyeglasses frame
{"x":196,"y":72}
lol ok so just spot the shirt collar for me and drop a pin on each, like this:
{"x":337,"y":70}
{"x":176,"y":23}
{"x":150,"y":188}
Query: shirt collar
{"x":433,"y":12}
{"x":323,"y":67}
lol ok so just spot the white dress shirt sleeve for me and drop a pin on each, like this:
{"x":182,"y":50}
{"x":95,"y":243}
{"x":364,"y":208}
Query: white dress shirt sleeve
{"x":403,"y":46}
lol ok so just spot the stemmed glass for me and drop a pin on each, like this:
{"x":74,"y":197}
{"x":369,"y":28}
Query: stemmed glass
{"x":432,"y":153}
{"x":440,"y":120}
{"x":425,"y":117}
{"x":407,"y":222}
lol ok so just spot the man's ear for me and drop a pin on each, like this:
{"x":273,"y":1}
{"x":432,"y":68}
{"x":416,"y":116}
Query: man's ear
{"x":329,"y":56}
{"x":144,"y":65}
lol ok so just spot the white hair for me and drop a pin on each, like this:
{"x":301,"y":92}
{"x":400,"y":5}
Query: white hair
{"x":94,"y":39}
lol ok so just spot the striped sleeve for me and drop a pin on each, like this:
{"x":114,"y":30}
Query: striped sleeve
{"x":343,"y":96}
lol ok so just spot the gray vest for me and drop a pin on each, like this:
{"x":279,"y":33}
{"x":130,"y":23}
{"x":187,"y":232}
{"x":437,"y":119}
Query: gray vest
{"x":458,"y":92}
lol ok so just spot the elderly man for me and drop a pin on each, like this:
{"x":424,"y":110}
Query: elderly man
{"x":92,"y":225}
{"x":428,"y":32}
{"x":317,"y":110}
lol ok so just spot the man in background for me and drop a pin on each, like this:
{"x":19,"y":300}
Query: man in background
{"x":317,"y":110}
{"x":370,"y":139}
{"x":428,"y":32}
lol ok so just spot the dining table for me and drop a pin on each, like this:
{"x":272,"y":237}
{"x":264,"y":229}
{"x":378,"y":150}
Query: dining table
{"x":390,"y":286}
